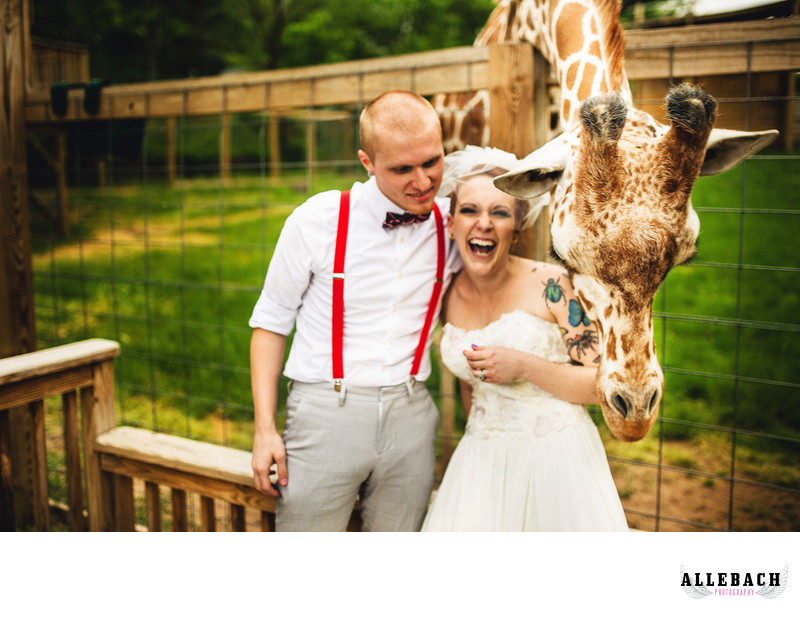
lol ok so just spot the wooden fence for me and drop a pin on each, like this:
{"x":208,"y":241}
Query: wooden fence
{"x":716,"y":55}
{"x":113,"y":457}
{"x":76,"y":371}
{"x":686,"y":52}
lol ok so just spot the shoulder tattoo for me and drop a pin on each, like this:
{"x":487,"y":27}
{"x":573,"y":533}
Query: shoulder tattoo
{"x":582,"y":343}
{"x":553,"y":292}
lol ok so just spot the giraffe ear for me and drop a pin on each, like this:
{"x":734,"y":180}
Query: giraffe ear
{"x":727,"y":148}
{"x":537,"y":173}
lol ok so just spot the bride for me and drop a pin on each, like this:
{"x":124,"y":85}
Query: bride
{"x":531,"y":458}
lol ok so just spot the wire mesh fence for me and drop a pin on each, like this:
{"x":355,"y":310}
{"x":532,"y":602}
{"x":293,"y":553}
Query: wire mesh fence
{"x":171,"y":226}
{"x":725,"y":451}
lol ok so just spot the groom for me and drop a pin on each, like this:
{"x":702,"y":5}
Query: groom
{"x":360,"y":422}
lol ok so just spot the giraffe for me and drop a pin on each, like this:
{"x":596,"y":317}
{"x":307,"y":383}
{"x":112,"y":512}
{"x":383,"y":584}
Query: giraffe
{"x":620,"y":185}
{"x":465,"y":116}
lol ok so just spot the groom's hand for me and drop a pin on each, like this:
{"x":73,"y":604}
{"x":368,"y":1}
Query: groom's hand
{"x":269,"y":464}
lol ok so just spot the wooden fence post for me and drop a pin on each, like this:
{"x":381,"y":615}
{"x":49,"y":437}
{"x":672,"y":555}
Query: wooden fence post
{"x":60,"y":168}
{"x":539,"y":234}
{"x":274,"y":146}
{"x":7,"y":523}
{"x":511,"y":91}
{"x":41,"y":509}
{"x":72,"y":459}
{"x":97,"y":405}
{"x":225,"y":149}
{"x":518,"y":118}
{"x":17,"y":323}
{"x":172,"y":150}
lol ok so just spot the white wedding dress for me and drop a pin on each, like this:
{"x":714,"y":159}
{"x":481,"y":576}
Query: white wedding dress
{"x":528,"y":461}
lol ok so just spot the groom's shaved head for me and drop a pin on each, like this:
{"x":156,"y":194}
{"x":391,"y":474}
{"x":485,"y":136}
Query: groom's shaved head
{"x":394,"y":112}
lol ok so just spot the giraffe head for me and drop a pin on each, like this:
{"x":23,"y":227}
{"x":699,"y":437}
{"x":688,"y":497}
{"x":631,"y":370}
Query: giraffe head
{"x":621,"y":218}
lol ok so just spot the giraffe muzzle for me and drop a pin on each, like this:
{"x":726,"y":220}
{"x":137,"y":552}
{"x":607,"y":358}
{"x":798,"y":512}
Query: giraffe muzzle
{"x":626,"y":407}
{"x":630,"y":413}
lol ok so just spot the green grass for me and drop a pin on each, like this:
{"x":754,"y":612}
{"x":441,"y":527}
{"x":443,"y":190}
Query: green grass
{"x":744,"y":321}
{"x":172,"y":273}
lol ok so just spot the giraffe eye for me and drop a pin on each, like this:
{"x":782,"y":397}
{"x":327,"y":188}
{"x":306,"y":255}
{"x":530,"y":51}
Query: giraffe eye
{"x":555,"y":255}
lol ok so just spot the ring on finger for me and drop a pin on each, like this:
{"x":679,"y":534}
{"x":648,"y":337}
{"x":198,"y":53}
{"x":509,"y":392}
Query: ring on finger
{"x":481,"y":375}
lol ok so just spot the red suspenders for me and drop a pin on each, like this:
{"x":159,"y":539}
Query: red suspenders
{"x":337,"y":328}
{"x":338,"y":289}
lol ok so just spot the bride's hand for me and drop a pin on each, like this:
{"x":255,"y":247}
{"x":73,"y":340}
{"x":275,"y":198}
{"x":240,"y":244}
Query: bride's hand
{"x":495,"y":364}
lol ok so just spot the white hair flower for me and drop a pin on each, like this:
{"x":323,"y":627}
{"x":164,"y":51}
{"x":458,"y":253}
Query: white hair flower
{"x":474,"y":160}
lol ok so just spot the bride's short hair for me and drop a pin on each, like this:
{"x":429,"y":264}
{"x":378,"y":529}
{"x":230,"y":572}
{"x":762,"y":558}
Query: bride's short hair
{"x":522,"y":207}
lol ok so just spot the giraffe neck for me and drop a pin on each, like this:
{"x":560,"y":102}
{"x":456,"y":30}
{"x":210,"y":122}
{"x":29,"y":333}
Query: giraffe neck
{"x":582,"y":40}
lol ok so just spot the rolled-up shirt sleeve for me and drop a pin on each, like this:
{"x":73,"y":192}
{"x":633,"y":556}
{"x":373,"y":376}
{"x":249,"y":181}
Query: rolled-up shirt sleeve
{"x":288,"y":276}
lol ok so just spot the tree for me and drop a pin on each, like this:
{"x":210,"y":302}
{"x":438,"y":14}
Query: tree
{"x":653,"y":9}
{"x":137,"y":40}
{"x":320,"y":31}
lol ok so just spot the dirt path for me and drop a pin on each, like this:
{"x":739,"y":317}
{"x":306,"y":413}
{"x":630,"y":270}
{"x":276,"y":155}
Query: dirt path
{"x":701,"y":499}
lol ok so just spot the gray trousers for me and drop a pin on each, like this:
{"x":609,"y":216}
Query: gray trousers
{"x":378,"y":446}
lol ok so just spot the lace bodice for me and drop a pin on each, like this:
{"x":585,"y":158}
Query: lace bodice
{"x":518,"y":408}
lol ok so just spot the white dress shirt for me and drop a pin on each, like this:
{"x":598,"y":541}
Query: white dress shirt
{"x":389,"y":277}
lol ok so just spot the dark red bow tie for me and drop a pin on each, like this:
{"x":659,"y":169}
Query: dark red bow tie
{"x":393,"y":219}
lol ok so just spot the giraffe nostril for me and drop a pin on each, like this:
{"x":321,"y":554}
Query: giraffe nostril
{"x":620,"y":404}
{"x":653,"y":404}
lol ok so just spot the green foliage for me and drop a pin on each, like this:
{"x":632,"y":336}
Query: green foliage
{"x":135,"y":41}
{"x":654,"y":9}
{"x":361,"y":29}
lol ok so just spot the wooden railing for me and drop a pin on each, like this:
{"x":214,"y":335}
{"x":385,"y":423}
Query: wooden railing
{"x":113,"y":457}
{"x":214,"y":473}
{"x":84,"y":370}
